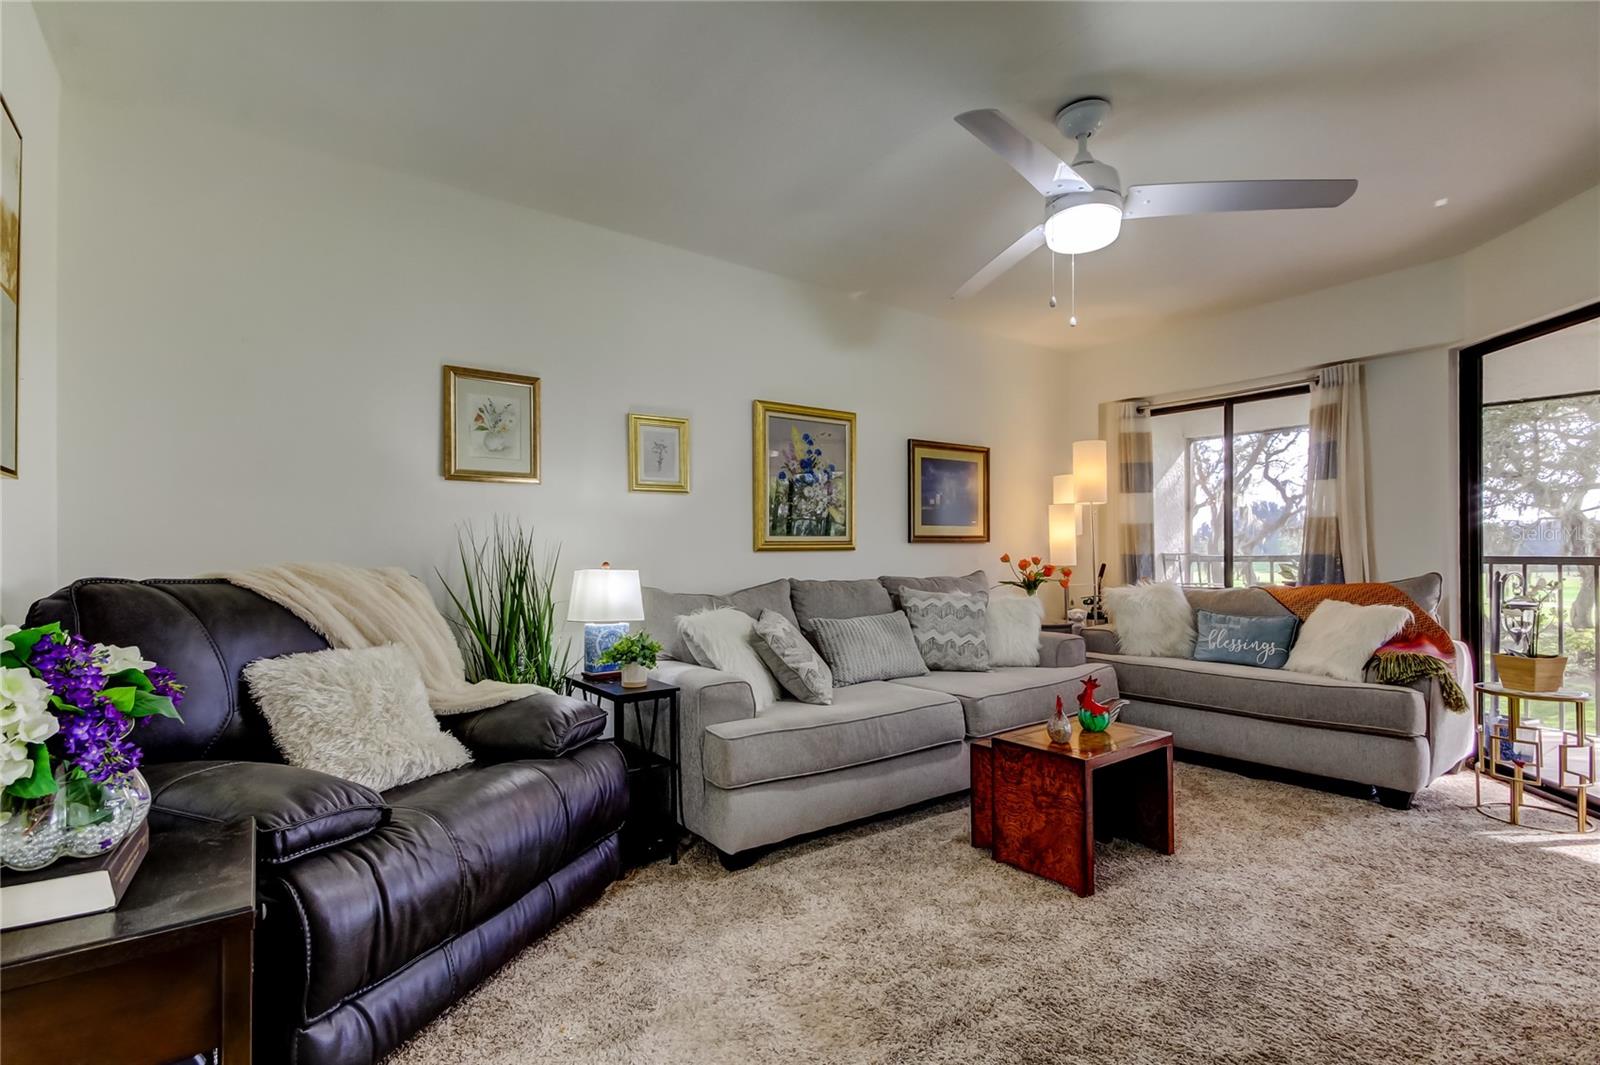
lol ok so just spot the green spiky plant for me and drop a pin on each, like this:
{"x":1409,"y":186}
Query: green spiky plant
{"x":508,"y":626}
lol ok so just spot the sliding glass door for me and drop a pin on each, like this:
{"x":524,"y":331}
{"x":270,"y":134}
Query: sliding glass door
{"x":1531,"y":501}
{"x":1230,"y":488}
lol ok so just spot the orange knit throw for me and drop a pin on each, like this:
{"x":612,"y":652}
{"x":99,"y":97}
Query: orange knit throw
{"x":1422,"y":649}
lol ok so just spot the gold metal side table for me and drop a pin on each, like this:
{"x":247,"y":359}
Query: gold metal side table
{"x":1575,"y":752}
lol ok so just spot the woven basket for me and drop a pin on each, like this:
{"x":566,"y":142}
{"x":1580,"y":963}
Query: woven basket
{"x":1531,"y":674}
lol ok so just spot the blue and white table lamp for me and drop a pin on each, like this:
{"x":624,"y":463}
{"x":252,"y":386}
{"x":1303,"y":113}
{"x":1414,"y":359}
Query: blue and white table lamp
{"x":605,"y":600}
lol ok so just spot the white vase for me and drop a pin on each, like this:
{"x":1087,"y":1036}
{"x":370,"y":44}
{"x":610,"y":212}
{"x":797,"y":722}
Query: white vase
{"x":635,"y":675}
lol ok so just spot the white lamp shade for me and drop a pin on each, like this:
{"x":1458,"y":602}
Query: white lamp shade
{"x":605,"y":595}
{"x":1065,"y":489}
{"x":1089,"y":470}
{"x":1063,"y":534}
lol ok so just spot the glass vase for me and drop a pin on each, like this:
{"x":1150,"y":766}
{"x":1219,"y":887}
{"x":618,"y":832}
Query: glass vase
{"x":61,"y":825}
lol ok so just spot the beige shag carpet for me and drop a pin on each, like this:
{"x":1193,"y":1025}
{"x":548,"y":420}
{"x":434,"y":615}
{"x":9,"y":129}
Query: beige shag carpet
{"x":1292,"y":926}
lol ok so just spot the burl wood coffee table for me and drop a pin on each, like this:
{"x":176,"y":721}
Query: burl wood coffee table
{"x":1040,"y":806}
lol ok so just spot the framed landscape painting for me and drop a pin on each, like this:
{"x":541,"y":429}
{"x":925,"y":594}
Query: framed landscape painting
{"x":491,"y":426}
{"x":949,"y":500}
{"x":658,"y":453}
{"x":805,"y":472}
{"x":10,"y":285}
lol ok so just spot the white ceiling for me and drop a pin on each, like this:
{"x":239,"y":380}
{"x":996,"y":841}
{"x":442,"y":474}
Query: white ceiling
{"x":816,"y":141}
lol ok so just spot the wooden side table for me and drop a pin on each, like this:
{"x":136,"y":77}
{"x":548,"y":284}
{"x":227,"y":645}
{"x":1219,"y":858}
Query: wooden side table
{"x":1040,"y":806}
{"x":165,"y":976}
{"x":1576,"y":752}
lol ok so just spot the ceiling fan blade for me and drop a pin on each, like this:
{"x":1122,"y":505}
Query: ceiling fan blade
{"x":1042,"y":168}
{"x":1204,"y":197}
{"x":1024,"y":246}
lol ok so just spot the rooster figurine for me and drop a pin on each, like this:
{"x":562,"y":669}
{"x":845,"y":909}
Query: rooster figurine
{"x":1093,"y":716}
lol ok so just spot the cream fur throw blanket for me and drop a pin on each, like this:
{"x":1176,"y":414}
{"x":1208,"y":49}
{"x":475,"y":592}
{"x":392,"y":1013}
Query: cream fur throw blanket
{"x":351,"y":607}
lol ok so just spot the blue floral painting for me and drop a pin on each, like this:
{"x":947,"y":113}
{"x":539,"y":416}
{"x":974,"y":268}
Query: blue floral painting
{"x":805,"y":479}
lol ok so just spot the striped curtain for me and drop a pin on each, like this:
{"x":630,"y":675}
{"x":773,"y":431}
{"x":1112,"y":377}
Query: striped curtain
{"x":1136,"y":537}
{"x":1337,"y":545}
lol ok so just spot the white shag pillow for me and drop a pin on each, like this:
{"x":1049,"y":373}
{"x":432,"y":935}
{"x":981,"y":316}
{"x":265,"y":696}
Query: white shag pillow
{"x":724,"y":639}
{"x":1012,"y":626}
{"x":358,"y":714}
{"x":1338,"y":638}
{"x":1152,"y":619}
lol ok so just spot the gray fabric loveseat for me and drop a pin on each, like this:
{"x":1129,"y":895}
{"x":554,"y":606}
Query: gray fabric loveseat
{"x":754,"y":779}
{"x":1397,"y":739}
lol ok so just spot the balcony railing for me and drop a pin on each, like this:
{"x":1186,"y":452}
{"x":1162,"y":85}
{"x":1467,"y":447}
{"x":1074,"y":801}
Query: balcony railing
{"x":1188,"y":567}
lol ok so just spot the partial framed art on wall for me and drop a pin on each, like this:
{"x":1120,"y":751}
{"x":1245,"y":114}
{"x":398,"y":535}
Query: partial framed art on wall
{"x":658,"y":453}
{"x":491,"y":426}
{"x":804,"y":478}
{"x":10,"y":286}
{"x":949,"y":493}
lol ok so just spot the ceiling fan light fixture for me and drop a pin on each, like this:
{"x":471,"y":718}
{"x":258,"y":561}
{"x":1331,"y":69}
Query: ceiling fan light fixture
{"x":1083,"y":222}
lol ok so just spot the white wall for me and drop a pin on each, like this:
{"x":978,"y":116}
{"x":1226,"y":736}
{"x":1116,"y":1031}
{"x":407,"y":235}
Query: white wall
{"x":28,"y":505}
{"x":253,"y":334}
{"x":1413,"y":319}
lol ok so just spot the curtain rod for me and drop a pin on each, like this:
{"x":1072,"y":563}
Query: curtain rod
{"x":1313,"y":376}
{"x":1289,"y":388}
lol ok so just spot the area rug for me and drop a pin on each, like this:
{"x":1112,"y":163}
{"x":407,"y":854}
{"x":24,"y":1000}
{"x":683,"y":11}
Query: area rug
{"x":1292,"y":925}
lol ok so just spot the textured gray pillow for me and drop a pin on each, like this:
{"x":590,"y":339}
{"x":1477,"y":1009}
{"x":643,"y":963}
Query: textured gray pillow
{"x":950,"y":628}
{"x":795,"y":663}
{"x":872,"y":647}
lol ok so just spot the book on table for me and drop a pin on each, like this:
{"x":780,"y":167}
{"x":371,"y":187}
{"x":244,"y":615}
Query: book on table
{"x":72,"y":887}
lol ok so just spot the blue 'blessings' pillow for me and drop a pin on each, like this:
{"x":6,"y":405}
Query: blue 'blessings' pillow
{"x":1244,"y":641}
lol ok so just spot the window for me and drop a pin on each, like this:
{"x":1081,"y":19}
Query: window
{"x":1230,"y":496}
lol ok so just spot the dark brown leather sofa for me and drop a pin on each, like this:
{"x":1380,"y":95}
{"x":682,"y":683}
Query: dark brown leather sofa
{"x":377,"y":911}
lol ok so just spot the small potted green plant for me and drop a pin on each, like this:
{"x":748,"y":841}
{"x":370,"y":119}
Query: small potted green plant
{"x":636,"y":654}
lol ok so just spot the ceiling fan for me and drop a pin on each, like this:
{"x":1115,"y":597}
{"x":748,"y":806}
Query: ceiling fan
{"x":1084,"y":202}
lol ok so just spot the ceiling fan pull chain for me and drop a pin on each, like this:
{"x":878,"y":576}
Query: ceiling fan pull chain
{"x":1072,"y":319}
{"x":1052,"y":280}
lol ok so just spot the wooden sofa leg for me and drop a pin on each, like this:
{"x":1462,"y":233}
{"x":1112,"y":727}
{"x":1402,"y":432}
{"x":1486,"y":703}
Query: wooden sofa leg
{"x":1395,"y":800}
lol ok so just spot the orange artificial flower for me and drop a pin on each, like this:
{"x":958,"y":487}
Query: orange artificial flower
{"x":1049,"y":569}
{"x":1063,"y":584}
{"x":1005,"y":558}
{"x":1035,"y":560}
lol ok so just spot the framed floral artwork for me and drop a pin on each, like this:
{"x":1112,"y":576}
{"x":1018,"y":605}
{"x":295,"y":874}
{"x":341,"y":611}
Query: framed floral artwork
{"x":491,"y":426}
{"x":658,"y":453}
{"x":805,"y":473}
{"x":10,"y":285}
{"x":949,"y":498}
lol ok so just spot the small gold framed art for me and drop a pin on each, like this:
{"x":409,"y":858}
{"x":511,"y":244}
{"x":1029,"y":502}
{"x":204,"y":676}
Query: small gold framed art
{"x":491,"y":426}
{"x":658,"y":453}
{"x":949,"y":493}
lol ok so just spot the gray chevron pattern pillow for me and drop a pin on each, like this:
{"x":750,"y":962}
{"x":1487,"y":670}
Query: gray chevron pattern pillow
{"x":795,"y":663}
{"x":951,"y":628}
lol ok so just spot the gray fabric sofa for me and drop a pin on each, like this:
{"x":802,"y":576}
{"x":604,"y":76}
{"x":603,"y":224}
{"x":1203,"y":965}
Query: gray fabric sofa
{"x":1397,"y":739}
{"x":751,"y":779}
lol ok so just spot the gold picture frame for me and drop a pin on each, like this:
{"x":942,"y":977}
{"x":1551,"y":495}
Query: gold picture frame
{"x":498,"y":405}
{"x":803,"y":478}
{"x":10,"y":291}
{"x":658,"y":453}
{"x":955,"y":510}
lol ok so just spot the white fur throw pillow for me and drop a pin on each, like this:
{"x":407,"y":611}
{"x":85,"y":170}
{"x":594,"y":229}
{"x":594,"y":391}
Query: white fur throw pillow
{"x":1338,"y":638}
{"x":360,"y":714}
{"x":1153,"y":619}
{"x":1012,"y":629}
{"x":724,"y":639}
